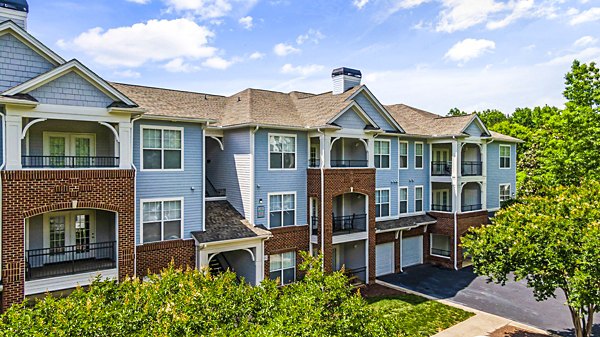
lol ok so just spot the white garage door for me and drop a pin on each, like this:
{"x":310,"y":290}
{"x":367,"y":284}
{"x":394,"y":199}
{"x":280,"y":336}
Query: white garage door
{"x":384,"y":254}
{"x":412,"y":251}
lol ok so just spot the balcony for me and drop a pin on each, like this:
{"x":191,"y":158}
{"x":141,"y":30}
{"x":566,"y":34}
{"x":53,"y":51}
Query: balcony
{"x":441,"y":208}
{"x":441,"y":168}
{"x":349,"y":224}
{"x":338,"y":163}
{"x":68,"y":260}
{"x":69,"y":162}
{"x":314,"y":163}
{"x":470,"y":208}
{"x":471,"y":168}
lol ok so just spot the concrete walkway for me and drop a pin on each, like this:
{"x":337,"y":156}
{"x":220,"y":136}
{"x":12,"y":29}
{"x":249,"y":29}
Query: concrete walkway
{"x":480,"y":325}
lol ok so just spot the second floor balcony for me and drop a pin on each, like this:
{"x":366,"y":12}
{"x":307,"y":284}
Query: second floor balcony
{"x":342,"y":153}
{"x":69,"y":162}
{"x":348,"y":224}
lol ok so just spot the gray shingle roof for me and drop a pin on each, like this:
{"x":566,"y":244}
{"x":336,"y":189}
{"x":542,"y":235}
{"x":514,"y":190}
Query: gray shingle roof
{"x":223,"y":222}
{"x":404,"y":222}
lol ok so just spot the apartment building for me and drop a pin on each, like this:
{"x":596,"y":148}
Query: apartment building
{"x":118,"y":180}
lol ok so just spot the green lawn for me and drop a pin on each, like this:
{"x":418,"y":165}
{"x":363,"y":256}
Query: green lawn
{"x":411,"y":315}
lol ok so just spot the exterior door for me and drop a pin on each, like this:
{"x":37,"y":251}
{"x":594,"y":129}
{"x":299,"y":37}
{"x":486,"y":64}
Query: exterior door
{"x":60,"y":146}
{"x":441,"y":158}
{"x":441,"y":200}
{"x":412,"y":251}
{"x":69,"y":235}
{"x":384,"y":254}
{"x":82,"y":148}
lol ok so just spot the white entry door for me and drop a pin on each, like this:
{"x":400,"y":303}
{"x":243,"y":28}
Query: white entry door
{"x":412,"y":251}
{"x":70,"y":235}
{"x":384,"y":254}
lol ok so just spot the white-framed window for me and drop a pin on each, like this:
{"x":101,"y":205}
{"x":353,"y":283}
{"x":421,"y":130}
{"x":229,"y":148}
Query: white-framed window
{"x":440,"y":245}
{"x":418,"y":155}
{"x":282,"y":209}
{"x":403,"y":155}
{"x":162,"y":219}
{"x":282,"y":152}
{"x":382,"y":154}
{"x":505,"y":156}
{"x":403,"y":200}
{"x":505,"y":193}
{"x":418,"y":199}
{"x":382,"y":203}
{"x":162,"y":148}
{"x":282,"y":267}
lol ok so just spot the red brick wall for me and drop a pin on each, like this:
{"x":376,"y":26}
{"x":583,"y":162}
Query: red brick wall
{"x":156,"y":256}
{"x":287,"y":239}
{"x":30,"y":193}
{"x":338,"y":182}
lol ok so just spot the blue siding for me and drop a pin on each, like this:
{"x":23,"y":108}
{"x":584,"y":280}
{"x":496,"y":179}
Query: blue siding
{"x":174,"y":184}
{"x":474,"y":130}
{"x":497,"y":176}
{"x":412,"y":177}
{"x":373,"y":112}
{"x":71,"y":89}
{"x":350,"y":120}
{"x":19,"y":63}
{"x":280,"y":181}
{"x":388,"y":178}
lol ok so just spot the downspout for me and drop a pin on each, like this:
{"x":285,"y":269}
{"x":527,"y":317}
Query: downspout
{"x":252,"y":175}
{"x":135,"y":206}
{"x":322,"y":163}
{"x":3,"y":114}
{"x":456,"y":211}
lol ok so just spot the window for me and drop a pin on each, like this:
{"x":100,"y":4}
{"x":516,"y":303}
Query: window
{"x":282,"y":210}
{"x":282,"y":152}
{"x":57,"y":234}
{"x":403,"y":197}
{"x":403,"y":151}
{"x":418,"y":199}
{"x":382,"y":203}
{"x":382,"y":154}
{"x":162,"y":148}
{"x":161,"y":220}
{"x":505,"y":194}
{"x":505,"y":156}
{"x":282,"y":267}
{"x":418,"y":155}
{"x":440,"y":245}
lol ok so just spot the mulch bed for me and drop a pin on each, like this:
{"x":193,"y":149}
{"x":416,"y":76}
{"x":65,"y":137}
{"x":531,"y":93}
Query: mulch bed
{"x":511,"y":331}
{"x":377,"y":290}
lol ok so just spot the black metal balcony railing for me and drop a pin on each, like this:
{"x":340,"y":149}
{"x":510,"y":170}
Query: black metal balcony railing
{"x":213,"y":192}
{"x":471,"y":168}
{"x":314,"y":162}
{"x":440,"y":252}
{"x":349,"y":163}
{"x":468,"y":208}
{"x":349,"y":224}
{"x":68,"y":260}
{"x":356,"y":275}
{"x":68,"y":162}
{"x":314,"y":225}
{"x":441,"y":168}
{"x":441,"y":208}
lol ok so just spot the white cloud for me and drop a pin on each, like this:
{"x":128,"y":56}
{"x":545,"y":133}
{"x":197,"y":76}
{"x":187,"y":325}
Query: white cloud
{"x":360,"y":3}
{"x":468,"y":49}
{"x":390,"y":7}
{"x":462,"y":14}
{"x":127,"y":74}
{"x":247,"y":22}
{"x":256,"y":55}
{"x":304,"y":71}
{"x":585,"y":55}
{"x":283,"y":49}
{"x":592,"y":14}
{"x":141,"y":2}
{"x":153,"y":41}
{"x":585,"y":41}
{"x":312,"y":35}
{"x":217,"y":62}
{"x":210,"y":9}
{"x":178,"y":65}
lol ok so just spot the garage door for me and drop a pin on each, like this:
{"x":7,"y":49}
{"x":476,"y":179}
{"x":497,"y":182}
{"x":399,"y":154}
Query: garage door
{"x":384,"y":254}
{"x":412,"y":251}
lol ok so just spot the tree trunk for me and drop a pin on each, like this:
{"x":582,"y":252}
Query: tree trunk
{"x":590,"y":320}
{"x":576,"y":318}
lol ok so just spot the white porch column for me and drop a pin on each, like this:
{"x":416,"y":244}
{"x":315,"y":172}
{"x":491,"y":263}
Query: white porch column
{"x":455,"y":176}
{"x":125,"y":145}
{"x":371,"y":142}
{"x":14,"y":127}
{"x":325,"y":150}
{"x":259,"y":263}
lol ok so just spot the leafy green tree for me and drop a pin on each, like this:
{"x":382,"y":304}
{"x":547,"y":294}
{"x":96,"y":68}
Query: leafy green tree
{"x":491,"y":117}
{"x":583,"y":85}
{"x":553,"y":242}
{"x":456,"y":112}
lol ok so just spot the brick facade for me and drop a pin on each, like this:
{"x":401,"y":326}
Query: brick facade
{"x":338,"y":182}
{"x":29,"y":193}
{"x":156,"y":256}
{"x":287,"y":239}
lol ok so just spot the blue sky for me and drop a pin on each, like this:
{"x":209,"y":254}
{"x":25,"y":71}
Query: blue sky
{"x":432,"y":54}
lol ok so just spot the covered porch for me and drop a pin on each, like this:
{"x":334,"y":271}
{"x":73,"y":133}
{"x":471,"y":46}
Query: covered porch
{"x":352,"y":258}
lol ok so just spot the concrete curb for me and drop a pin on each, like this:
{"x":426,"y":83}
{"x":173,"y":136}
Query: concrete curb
{"x":497,"y":318}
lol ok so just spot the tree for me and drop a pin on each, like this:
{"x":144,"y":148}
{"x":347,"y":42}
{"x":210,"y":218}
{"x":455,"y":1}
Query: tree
{"x":455,"y":112}
{"x":491,"y":117}
{"x":553,"y":242}
{"x":583,"y":85}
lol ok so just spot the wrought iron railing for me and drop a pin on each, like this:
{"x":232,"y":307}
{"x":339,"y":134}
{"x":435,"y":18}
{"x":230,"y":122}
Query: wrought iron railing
{"x":440,"y":252}
{"x":68,"y":260}
{"x":314,"y":224}
{"x":441,"y":168}
{"x":471,"y":168}
{"x":68,"y":162}
{"x":349,"y":224}
{"x":468,"y":208}
{"x":356,"y":275}
{"x":314,"y":162}
{"x":441,"y":208}
{"x":349,"y":163}
{"x":212,"y":191}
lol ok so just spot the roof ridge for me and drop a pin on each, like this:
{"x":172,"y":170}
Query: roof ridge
{"x":167,"y":89}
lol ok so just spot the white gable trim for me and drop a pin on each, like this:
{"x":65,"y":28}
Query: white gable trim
{"x":9,"y":27}
{"x":476,"y":118}
{"x":66,"y":68}
{"x":378,"y":104}
{"x":359,"y":111}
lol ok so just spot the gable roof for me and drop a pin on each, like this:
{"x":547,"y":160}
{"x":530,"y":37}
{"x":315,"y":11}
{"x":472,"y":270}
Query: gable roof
{"x":66,"y":68}
{"x":386,"y":114}
{"x":21,"y":34}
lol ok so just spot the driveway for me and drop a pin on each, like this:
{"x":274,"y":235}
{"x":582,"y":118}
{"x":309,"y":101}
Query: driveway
{"x":514,"y":300}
